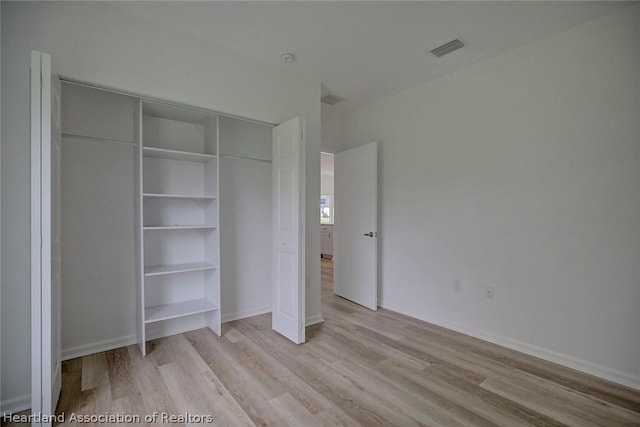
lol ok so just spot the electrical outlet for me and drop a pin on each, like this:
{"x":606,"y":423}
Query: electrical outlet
{"x":457,"y":286}
{"x":489,"y":292}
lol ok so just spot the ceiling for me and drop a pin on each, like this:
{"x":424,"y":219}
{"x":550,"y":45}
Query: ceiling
{"x":363,"y":50}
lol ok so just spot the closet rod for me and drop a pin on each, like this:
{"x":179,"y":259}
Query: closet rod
{"x":97,"y":139}
{"x":69,"y":80}
{"x":225,"y":156}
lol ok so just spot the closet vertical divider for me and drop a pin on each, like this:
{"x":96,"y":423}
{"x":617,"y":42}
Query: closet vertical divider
{"x":139,"y":236}
{"x":212,"y":240}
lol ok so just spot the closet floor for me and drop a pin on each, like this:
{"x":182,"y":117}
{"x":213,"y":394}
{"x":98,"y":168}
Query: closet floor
{"x":359,"y":367}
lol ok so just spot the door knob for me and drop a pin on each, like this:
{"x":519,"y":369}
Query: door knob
{"x":370,"y":234}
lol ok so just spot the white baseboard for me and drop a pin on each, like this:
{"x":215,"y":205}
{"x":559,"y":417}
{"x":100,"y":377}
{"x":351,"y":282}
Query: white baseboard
{"x":98,"y":347}
{"x":167,"y":329}
{"x":154,"y":331}
{"x":243,"y":314}
{"x":230,"y":317}
{"x":314,"y":320}
{"x":161,"y":330}
{"x":16,"y":404}
{"x":591,"y":368}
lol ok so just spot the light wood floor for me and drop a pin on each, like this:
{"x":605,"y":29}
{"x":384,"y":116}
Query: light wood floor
{"x":357,"y":368}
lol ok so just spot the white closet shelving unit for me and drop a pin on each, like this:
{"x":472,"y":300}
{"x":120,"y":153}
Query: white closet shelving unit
{"x":179,"y":248}
{"x":157,"y":170}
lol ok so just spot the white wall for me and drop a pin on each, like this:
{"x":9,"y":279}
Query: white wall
{"x":326,"y":174}
{"x":98,"y":256}
{"x":245,"y":218}
{"x":100,"y":43}
{"x":522,"y":173}
{"x":331,"y":127}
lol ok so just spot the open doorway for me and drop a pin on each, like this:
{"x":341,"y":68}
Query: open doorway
{"x":327,"y":205}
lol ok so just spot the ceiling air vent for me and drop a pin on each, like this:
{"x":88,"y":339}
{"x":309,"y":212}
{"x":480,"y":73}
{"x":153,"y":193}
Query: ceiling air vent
{"x":447,"y":48}
{"x":331,"y":99}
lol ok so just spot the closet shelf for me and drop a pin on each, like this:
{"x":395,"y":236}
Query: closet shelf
{"x":159,"y":270}
{"x":178,"y":227}
{"x":180,"y":309}
{"x":96,"y":138}
{"x":177,"y":155}
{"x":177,"y":196}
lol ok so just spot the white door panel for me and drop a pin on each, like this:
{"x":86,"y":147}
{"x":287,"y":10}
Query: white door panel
{"x":355,"y":225}
{"x":45,"y":238}
{"x":56,"y":244}
{"x":288,"y":305}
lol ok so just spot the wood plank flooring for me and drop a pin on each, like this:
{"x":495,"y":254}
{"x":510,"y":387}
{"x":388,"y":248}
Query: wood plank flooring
{"x":358,"y":368}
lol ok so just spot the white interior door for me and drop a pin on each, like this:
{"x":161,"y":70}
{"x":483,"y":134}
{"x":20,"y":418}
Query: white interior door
{"x":46,"y":368}
{"x":355,"y":225}
{"x":288,"y":305}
